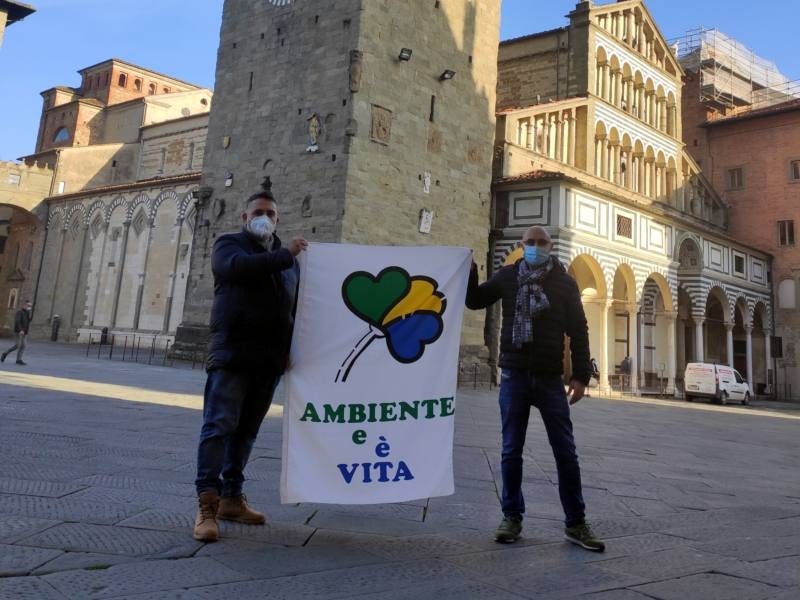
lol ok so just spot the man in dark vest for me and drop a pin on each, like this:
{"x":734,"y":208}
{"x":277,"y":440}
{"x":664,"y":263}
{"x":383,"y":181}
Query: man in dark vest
{"x":255,"y":285}
{"x":541,"y":304}
{"x":22,"y":323}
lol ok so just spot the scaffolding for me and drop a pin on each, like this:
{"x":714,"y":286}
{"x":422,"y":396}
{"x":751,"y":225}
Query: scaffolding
{"x":731,"y":75}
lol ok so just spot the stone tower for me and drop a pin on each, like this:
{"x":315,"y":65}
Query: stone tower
{"x":358,"y":145}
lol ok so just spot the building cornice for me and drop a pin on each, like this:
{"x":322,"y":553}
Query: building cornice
{"x":125,"y":187}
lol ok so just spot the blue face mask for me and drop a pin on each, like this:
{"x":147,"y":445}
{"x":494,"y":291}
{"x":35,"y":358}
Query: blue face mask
{"x":536,"y":256}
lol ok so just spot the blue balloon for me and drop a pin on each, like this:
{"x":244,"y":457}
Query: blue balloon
{"x":407,"y":338}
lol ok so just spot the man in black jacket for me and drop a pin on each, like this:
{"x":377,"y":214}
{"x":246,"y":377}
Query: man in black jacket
{"x":541,"y":304}
{"x":22,"y":323}
{"x":255,"y":285}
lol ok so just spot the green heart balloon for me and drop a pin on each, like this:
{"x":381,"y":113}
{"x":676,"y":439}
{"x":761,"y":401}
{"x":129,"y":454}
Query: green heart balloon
{"x":372,"y":297}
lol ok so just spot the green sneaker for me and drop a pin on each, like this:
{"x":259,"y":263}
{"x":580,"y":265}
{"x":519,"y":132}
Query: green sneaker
{"x":508,"y":531}
{"x":583,"y":536}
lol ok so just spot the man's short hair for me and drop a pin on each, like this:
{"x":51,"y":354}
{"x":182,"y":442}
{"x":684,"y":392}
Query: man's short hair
{"x":264,"y":195}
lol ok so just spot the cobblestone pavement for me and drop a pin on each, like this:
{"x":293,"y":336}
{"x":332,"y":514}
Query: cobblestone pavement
{"x":96,"y":501}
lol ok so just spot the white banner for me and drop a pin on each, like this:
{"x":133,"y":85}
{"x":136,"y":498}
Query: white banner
{"x":370,"y":395}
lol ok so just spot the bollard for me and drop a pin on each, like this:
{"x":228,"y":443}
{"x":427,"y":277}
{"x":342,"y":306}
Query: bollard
{"x":138,"y":347}
{"x":99,"y":348}
{"x":111,"y":352}
{"x":166,"y":351}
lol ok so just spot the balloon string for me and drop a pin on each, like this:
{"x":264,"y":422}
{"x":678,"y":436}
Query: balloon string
{"x":358,"y":350}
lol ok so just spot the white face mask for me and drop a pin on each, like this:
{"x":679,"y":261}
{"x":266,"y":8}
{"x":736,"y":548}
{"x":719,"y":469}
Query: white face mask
{"x":261,"y":227}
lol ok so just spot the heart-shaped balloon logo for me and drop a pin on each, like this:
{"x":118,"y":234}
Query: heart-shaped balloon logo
{"x":404,"y":310}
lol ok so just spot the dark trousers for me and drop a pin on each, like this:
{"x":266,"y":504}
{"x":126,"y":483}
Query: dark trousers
{"x":234,"y":405}
{"x":518,"y":391}
{"x":19,"y":346}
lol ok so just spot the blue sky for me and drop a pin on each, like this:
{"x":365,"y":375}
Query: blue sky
{"x":179,"y":37}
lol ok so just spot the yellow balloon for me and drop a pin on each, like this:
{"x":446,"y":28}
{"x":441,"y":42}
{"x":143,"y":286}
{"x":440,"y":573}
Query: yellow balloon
{"x":514,"y":256}
{"x":420,"y":297}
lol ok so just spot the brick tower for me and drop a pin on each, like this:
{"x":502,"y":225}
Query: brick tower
{"x":364,"y":117}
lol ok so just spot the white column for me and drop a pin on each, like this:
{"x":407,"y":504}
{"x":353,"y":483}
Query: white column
{"x":603,"y":364}
{"x":633,"y":345}
{"x":641,"y":337}
{"x":559,"y":146}
{"x":573,"y":130}
{"x":749,"y":330}
{"x":768,"y":358}
{"x":671,"y":353}
{"x":698,"y":338}
{"x":729,"y":332}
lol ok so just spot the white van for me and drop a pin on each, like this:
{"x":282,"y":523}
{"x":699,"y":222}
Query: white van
{"x":719,"y":382}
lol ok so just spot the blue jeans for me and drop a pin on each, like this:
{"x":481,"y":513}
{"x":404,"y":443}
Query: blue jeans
{"x":234,"y":405}
{"x":519,"y":389}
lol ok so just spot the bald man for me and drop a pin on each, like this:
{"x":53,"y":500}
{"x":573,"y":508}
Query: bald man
{"x":541,"y":304}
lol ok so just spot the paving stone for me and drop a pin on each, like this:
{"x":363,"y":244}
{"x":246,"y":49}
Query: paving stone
{"x":279,"y":561}
{"x":144,"y":485}
{"x":274,"y":533}
{"x":166,"y":595}
{"x":618,"y":594}
{"x":545,"y":581}
{"x":755,"y":548}
{"x":448,"y":591}
{"x":19,"y":560}
{"x":675,"y":562}
{"x":13,"y":527}
{"x":156,"y":518}
{"x":709,"y":586}
{"x":342,"y":583}
{"x":783,"y":572}
{"x":27,"y":588}
{"x":46,"y":489}
{"x":67,"y":509}
{"x":82,"y":537}
{"x":69,"y":561}
{"x":636,"y":545}
{"x":380,"y":525}
{"x":142,"y":577}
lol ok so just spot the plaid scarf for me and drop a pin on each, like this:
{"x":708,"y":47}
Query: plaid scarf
{"x":531,"y":299}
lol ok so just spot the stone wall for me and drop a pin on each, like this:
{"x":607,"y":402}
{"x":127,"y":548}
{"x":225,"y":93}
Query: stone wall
{"x":285,"y":72}
{"x":117,"y":259}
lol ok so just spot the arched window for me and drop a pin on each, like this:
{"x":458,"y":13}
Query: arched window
{"x":787,"y":294}
{"x":166,"y":90}
{"x":122,"y":80}
{"x":12,"y":299}
{"x":62,"y":135}
{"x":137,"y":84}
{"x":151,"y":89}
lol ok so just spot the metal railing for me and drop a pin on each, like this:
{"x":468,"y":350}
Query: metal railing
{"x":130,"y":348}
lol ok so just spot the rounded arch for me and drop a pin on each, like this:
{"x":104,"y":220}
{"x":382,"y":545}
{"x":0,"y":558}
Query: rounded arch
{"x":588,"y":273}
{"x":688,"y":251}
{"x":649,"y":86}
{"x":638,"y":79}
{"x":613,"y":136}
{"x":600,"y":129}
{"x":627,"y":72}
{"x":55,"y":217}
{"x":156,"y":204}
{"x":660,"y":158}
{"x":718,"y":293}
{"x":73,"y":210}
{"x":662,"y":285}
{"x":638,"y":147}
{"x":761,"y":309}
{"x":97,"y":205}
{"x":624,"y":286}
{"x":183,"y":207}
{"x":138,"y":200}
{"x":660,"y":93}
{"x":115,"y":204}
{"x":741,"y":306}
{"x":602,"y":54}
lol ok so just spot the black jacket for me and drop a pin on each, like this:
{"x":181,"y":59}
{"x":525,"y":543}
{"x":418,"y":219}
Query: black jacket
{"x":565,"y":316}
{"x":22,"y":321}
{"x":254,"y":300}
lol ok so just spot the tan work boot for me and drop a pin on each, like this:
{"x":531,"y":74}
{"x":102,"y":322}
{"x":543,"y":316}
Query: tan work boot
{"x":235,"y":508}
{"x":206,"y":528}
